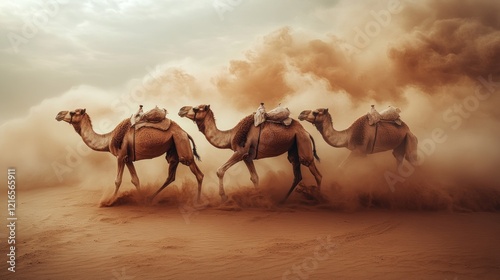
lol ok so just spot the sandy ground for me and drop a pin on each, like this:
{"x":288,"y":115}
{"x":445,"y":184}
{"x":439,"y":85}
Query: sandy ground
{"x":63,"y":234}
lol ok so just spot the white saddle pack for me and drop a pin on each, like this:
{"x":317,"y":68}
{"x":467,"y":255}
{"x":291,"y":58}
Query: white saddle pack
{"x":390,"y":114}
{"x":279,"y":115}
{"x":155,"y":118}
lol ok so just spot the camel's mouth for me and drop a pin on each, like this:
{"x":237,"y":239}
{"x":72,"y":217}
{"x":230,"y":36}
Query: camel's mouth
{"x":61,"y":115}
{"x":184,"y":111}
{"x":303,"y":116}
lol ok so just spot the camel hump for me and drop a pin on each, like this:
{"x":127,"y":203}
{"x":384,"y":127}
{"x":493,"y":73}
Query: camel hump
{"x":242,"y":129}
{"x":119,"y":133}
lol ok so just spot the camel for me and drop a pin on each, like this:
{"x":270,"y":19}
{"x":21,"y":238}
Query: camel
{"x":250,"y":143}
{"x":362,"y":139}
{"x":149,"y":143}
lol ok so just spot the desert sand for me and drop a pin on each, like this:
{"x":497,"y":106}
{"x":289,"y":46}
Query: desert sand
{"x":64,"y":234}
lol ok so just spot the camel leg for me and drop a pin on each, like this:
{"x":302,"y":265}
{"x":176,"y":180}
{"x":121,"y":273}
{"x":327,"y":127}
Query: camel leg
{"x":254,"y":177}
{"x":133,"y":175}
{"x":317,"y":175}
{"x":173,"y":162}
{"x":293,"y":158}
{"x":119,"y":175}
{"x":235,"y":158}
{"x":399,"y":153}
{"x":306,"y":156}
{"x":185,"y":156}
{"x":411,"y":148}
{"x":199,"y":177}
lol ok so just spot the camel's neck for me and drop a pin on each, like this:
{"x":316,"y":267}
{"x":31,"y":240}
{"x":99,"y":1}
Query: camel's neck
{"x":333,"y":137}
{"x":219,"y":139}
{"x":97,"y":142}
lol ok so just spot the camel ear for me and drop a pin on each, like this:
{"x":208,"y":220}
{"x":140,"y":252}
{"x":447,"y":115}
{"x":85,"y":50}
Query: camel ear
{"x":326,"y":110}
{"x":83,"y":111}
{"x":207,"y":107}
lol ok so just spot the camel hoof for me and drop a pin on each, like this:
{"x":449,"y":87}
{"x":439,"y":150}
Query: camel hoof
{"x":105,"y":204}
{"x":223,"y":198}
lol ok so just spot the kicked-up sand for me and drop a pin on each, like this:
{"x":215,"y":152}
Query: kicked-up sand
{"x":62,"y":233}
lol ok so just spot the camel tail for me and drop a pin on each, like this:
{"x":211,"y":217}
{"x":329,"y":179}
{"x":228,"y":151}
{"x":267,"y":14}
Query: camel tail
{"x":314,"y":149}
{"x":195,"y":153}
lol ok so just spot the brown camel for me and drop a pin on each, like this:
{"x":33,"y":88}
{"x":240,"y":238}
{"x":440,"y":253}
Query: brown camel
{"x":149,"y":143}
{"x":249,"y":142}
{"x":362,"y":138}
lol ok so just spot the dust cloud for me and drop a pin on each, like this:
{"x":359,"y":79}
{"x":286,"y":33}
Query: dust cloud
{"x":438,"y":62}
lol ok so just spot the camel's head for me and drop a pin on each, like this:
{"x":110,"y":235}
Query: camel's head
{"x":71,"y":117}
{"x":194,"y":113}
{"x":314,"y":116}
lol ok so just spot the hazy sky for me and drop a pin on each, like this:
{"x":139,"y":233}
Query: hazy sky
{"x":49,"y":46}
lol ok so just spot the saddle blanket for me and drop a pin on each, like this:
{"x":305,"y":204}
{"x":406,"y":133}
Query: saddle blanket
{"x":162,"y":125}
